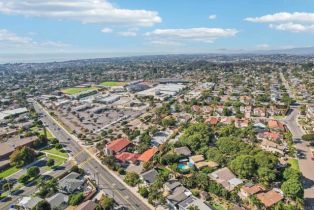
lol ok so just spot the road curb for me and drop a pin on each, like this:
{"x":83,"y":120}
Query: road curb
{"x":96,"y":159}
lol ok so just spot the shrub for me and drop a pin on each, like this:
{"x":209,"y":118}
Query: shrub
{"x":33,"y":171}
{"x":76,"y":199}
{"x":50,"y":162}
{"x":24,"y":179}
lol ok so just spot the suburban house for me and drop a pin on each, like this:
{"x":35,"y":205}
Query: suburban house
{"x":117,"y":146}
{"x":212,"y":120}
{"x":184,"y":151}
{"x":269,"y":198}
{"x":87,"y":205}
{"x":170,"y":185}
{"x":148,"y":154}
{"x":241,"y":123}
{"x":58,"y":201}
{"x":180,"y":198}
{"x":275,"y":125}
{"x":71,"y":183}
{"x":149,"y":177}
{"x":193,"y":201}
{"x":260,"y":112}
{"x":227,"y":120}
{"x":250,"y":189}
{"x":271,"y":146}
{"x":196,"y":158}
{"x":177,"y":195}
{"x":127,"y":157}
{"x":272,"y":136}
{"x":199,"y":162}
{"x":29,"y":203}
{"x":226,"y":178}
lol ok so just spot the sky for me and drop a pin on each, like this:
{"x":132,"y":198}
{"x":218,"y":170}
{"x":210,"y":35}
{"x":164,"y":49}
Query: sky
{"x":69,"y":29}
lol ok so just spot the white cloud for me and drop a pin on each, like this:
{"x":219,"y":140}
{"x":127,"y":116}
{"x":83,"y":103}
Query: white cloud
{"x":207,"y":35}
{"x":293,"y":27}
{"x":10,"y":40}
{"x":212,"y":17}
{"x":283,"y":21}
{"x":107,"y":30}
{"x":301,"y":17}
{"x":263,"y":46}
{"x":85,"y":11}
{"x":127,"y":33}
{"x":7,"y":36}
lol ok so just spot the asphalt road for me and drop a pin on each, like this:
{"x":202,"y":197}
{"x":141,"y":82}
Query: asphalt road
{"x":107,"y":181}
{"x":306,"y":164}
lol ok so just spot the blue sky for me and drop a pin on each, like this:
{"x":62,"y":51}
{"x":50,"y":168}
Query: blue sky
{"x":127,"y":27}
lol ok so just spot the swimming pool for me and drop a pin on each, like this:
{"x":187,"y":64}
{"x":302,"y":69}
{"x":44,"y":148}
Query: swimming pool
{"x":183,"y":166}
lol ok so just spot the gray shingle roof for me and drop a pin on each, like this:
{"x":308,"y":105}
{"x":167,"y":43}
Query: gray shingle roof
{"x":150,"y":176}
{"x":57,"y":200}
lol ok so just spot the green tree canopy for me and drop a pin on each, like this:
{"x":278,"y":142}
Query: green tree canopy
{"x":43,"y":205}
{"x":22,"y":156}
{"x":106,"y":202}
{"x":196,"y":136}
{"x":76,"y":199}
{"x":308,"y":137}
{"x":292,"y":188}
{"x":33,"y":171}
{"x":244,"y":166}
{"x":132,"y":179}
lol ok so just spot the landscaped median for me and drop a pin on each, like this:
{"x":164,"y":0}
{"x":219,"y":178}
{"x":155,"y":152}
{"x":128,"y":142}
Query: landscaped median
{"x":8,"y":172}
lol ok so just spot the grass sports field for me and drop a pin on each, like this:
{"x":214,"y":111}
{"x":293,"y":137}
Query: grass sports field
{"x":112,"y":84}
{"x":75,"y":90}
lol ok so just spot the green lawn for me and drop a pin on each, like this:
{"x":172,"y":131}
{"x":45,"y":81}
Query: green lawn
{"x":217,"y":206}
{"x":112,"y":84}
{"x":75,"y":90}
{"x":294,"y":164}
{"x":58,"y":161}
{"x":4,"y":195}
{"x":56,"y":152}
{"x":279,"y":117}
{"x":41,"y":132}
{"x":9,"y":171}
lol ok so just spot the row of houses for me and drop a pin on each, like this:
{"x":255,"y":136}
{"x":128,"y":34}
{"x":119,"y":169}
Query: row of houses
{"x":69,"y":184}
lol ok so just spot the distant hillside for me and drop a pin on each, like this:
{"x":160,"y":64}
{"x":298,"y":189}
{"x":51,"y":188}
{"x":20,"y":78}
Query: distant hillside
{"x":292,"y":51}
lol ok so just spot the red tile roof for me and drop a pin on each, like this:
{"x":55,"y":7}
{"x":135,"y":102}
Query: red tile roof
{"x":212,"y":120}
{"x":127,"y":156}
{"x":269,"y":198}
{"x":272,"y":136}
{"x":118,"y":145}
{"x":148,"y":154}
{"x":274,"y":124}
{"x":252,"y":189}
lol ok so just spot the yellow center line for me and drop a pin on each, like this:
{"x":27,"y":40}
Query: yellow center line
{"x":84,"y":162}
{"x":77,"y":154}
